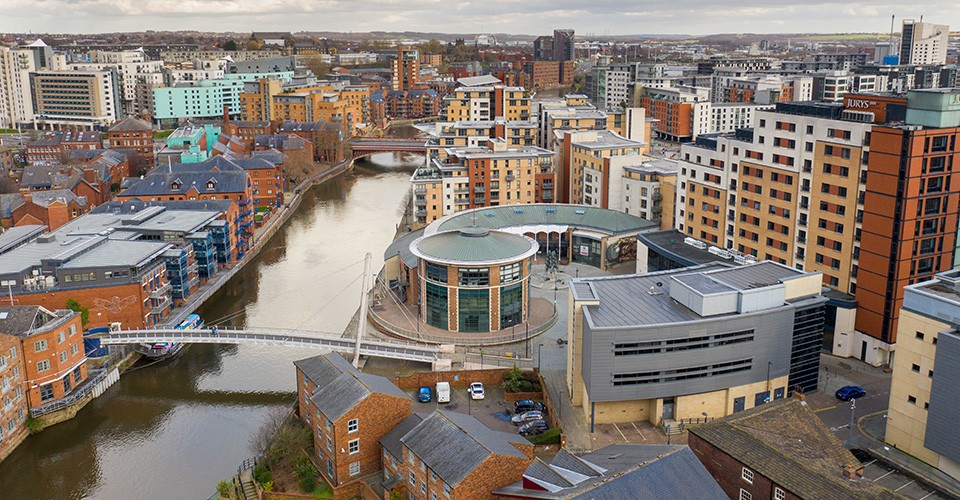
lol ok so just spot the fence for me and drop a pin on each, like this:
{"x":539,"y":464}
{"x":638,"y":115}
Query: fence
{"x":94,"y":386}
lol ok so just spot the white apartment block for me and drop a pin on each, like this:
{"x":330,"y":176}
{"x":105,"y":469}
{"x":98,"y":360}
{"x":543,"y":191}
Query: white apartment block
{"x":728,"y":117}
{"x":15,"y":68}
{"x":923,"y":43}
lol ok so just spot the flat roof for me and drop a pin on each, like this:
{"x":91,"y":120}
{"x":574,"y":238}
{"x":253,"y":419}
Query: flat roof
{"x":473,"y":245}
{"x":671,"y":242}
{"x":541,"y":214}
{"x":17,"y":235}
{"x":118,"y":253}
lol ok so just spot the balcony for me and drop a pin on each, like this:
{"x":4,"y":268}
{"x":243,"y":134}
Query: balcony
{"x":420,"y":202}
{"x":802,"y":222}
{"x":657,"y":209}
{"x":547,"y":185}
{"x":161,"y":307}
{"x":480,"y":189}
{"x":510,"y":177}
{"x":161,"y":292}
{"x":657,"y":197}
{"x":547,"y":196}
{"x":421,"y":213}
{"x":461,"y":190}
{"x":420,"y":190}
{"x":479,"y":200}
{"x":462,"y":200}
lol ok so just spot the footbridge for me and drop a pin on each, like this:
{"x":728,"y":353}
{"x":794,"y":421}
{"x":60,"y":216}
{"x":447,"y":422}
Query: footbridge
{"x":361,"y":147}
{"x":407,"y":351}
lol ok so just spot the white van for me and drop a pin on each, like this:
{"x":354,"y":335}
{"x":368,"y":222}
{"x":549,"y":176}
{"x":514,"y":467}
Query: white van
{"x":443,"y":392}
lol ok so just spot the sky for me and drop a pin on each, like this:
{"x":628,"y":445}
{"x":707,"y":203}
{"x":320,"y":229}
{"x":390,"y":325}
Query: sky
{"x":591,"y":17}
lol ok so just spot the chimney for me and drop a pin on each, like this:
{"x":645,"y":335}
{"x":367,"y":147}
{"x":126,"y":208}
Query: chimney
{"x":226,"y":115}
{"x":27,"y":196}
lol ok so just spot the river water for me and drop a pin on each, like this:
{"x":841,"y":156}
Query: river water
{"x":171,"y":431}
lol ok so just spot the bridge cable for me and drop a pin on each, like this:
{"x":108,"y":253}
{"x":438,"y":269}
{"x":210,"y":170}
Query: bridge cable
{"x":403,"y":310}
{"x":297,"y":328}
{"x":233,"y":315}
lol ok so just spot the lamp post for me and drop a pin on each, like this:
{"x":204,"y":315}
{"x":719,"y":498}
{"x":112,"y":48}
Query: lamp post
{"x":853,"y":409}
{"x":769,"y":363}
{"x":539,"y":356}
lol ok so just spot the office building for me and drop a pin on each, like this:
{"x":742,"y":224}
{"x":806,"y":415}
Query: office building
{"x":76,"y":99}
{"x":921,"y":420}
{"x":563,"y":45}
{"x":923,"y":43}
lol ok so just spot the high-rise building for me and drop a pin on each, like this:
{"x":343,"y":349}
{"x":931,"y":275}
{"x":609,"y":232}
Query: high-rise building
{"x":923,"y":43}
{"x":543,"y":48}
{"x":563,"y":49}
{"x":75,"y":98}
{"x":861,"y":191}
{"x":406,"y":69}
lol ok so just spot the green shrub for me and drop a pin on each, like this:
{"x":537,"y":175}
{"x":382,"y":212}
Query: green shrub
{"x":306,"y":473}
{"x":262,"y":474}
{"x":550,"y":436}
{"x":33,"y":425}
{"x":517,"y":381}
{"x":224,"y":487}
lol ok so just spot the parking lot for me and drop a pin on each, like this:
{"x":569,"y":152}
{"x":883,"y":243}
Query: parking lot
{"x":493,"y":410}
{"x":895,"y":481}
{"x":630,"y":433}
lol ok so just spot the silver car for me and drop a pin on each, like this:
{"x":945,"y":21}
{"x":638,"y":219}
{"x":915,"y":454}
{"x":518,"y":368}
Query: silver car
{"x":530,"y":416}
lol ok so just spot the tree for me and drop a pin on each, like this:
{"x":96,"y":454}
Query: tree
{"x":265,"y":435}
{"x":73,"y":305}
{"x":432,"y":47}
{"x":316,"y":65}
{"x":230,"y":45}
{"x":7,"y":185}
{"x":253,"y":45}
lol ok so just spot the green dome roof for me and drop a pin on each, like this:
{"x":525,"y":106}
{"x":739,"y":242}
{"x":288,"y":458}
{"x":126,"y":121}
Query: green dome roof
{"x":473,"y":245}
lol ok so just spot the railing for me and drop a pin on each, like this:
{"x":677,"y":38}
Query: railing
{"x":161,"y":307}
{"x":420,"y":202}
{"x":547,"y":185}
{"x":160,"y":292}
{"x":479,"y":199}
{"x":480,"y":189}
{"x":73,"y":397}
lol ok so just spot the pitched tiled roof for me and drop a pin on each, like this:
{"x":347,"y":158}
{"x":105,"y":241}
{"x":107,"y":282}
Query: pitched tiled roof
{"x":347,"y":390}
{"x":131,"y":124}
{"x":45,"y":198}
{"x":391,"y":441}
{"x":167,"y":183}
{"x":454,"y":444}
{"x":787,"y":443}
{"x":19,"y":320}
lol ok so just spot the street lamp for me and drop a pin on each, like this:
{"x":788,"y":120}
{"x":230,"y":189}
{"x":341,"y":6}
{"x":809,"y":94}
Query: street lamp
{"x":539,"y":356}
{"x":853,"y":409}
{"x":769,"y":363}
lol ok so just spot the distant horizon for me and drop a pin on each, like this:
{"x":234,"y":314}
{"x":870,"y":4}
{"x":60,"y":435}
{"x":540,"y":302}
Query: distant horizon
{"x":601,"y":18}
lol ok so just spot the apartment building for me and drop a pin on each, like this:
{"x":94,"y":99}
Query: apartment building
{"x":766,"y":89}
{"x":489,"y":102}
{"x":923,"y":400}
{"x":130,"y":66}
{"x":15,"y":408}
{"x":820,"y":186}
{"x":682,"y":113}
{"x":406,"y":69}
{"x":325,"y":137}
{"x":75,"y":99}
{"x":596,"y":160}
{"x":256,"y":100}
{"x":16,"y":105}
{"x":630,"y":338}
{"x":56,"y":147}
{"x":454,"y":456}
{"x":649,"y":190}
{"x":477,"y":134}
{"x":468,"y":177}
{"x":572,"y":112}
{"x":923,"y":43}
{"x":203,"y":99}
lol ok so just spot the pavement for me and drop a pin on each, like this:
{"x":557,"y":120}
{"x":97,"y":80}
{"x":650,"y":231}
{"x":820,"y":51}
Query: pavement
{"x":837,"y":372}
{"x":493,"y":410}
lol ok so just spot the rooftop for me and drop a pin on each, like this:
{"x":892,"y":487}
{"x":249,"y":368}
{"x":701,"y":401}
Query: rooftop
{"x":673,"y":243}
{"x":787,"y":443}
{"x":21,"y":320}
{"x":521,"y":216}
{"x":473,"y":245}
{"x":118,"y":253}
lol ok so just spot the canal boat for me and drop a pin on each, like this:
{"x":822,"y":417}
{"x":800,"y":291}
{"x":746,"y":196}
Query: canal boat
{"x":162,"y":350}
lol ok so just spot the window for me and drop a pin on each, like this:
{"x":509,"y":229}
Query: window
{"x":423,"y":487}
{"x":74,"y":348}
{"x":353,"y":425}
{"x":43,"y":366}
{"x":353,"y":446}
{"x":436,"y":272}
{"x":747,"y":475}
{"x":413,"y":479}
{"x":912,"y":400}
{"x":329,"y":444}
{"x":61,"y":337}
{"x":46,"y":392}
{"x":511,"y":272}
{"x":919,"y":335}
{"x":474,"y":276}
{"x":40,"y":346}
{"x":778,"y":494}
{"x":915,"y":368}
{"x":63,"y":356}
{"x":354,"y":468}
{"x":446,"y":489}
{"x":745,"y":495}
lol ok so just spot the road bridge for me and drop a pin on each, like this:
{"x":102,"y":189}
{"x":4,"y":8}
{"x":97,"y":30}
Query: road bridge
{"x":361,"y":147}
{"x":407,"y":351}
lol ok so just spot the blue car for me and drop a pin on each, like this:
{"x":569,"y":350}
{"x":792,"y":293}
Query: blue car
{"x":423,"y":395}
{"x":848,"y":392}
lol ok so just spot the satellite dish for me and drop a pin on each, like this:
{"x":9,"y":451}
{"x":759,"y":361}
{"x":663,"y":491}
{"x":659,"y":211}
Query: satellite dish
{"x":659,"y":284}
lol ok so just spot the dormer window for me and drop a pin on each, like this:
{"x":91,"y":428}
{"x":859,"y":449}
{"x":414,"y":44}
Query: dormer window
{"x":211,"y":185}
{"x":175,"y":185}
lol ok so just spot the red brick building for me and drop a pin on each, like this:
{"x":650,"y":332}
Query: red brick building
{"x":780,"y":450}
{"x":52,"y":208}
{"x":14,"y":408}
{"x":131,"y":133}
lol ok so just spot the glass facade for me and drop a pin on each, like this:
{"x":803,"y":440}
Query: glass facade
{"x":436,"y":272}
{"x":474,"y":276}
{"x":586,"y":251}
{"x":511,"y":305}
{"x":805,"y":350}
{"x":436,"y":305}
{"x":474,"y":310}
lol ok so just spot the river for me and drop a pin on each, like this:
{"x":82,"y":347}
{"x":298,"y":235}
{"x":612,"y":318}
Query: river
{"x":171,"y":431}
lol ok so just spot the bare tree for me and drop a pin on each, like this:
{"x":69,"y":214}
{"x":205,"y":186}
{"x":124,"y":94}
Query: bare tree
{"x":262,"y":439}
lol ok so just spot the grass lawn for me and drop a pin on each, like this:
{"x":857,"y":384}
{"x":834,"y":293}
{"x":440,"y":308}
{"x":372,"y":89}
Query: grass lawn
{"x":8,"y":131}
{"x":163,"y":134}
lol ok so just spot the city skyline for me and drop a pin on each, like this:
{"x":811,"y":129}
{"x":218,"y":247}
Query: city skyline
{"x":693,"y":17}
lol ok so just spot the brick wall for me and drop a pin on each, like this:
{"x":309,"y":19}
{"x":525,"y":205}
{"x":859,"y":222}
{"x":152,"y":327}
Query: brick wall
{"x":457,"y":378}
{"x":727,"y":471}
{"x":55,"y":351}
{"x":377,"y":415}
{"x":495,"y":472}
{"x":123,"y":303}
{"x":19,"y":407}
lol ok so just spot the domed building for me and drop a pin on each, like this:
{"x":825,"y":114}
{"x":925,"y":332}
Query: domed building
{"x":472,"y":279}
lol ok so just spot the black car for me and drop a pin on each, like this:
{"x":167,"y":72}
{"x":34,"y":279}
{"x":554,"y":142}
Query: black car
{"x":525,"y":405}
{"x":533,"y":428}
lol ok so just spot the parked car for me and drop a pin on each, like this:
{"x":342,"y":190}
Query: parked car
{"x":476,"y":390}
{"x":848,"y":392}
{"x":525,"y":405}
{"x":533,"y":428}
{"x":443,"y":392}
{"x":523,"y":418}
{"x":423,"y":395}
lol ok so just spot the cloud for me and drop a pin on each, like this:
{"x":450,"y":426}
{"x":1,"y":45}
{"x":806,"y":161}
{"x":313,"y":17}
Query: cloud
{"x":511,"y":16}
